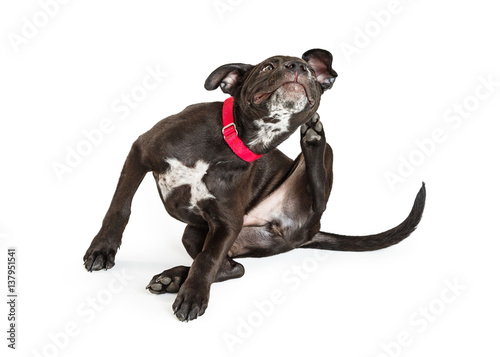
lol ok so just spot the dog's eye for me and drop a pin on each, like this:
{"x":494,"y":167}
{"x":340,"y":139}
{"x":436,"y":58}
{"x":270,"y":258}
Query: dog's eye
{"x":267,"y":68}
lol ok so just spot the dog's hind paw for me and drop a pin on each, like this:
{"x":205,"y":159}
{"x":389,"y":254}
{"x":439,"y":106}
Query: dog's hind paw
{"x":169,"y":281}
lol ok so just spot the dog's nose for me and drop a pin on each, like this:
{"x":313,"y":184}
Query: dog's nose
{"x":296,"y":66}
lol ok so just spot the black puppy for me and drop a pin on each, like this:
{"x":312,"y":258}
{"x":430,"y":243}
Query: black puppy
{"x":217,"y":169}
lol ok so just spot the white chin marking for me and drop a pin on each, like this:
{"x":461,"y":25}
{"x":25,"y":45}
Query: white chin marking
{"x":179,"y":174}
{"x":288,"y":99}
{"x":282,"y":104}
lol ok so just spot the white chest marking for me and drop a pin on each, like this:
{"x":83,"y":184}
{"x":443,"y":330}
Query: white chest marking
{"x":281,"y":108}
{"x":179,"y":174}
{"x":268,"y":130}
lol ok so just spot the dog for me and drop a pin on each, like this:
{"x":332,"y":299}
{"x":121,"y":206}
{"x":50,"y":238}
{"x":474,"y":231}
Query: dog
{"x":217,"y":169}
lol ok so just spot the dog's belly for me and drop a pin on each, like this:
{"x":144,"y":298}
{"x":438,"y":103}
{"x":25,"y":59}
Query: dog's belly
{"x":282,"y":204}
{"x":190,"y":179}
{"x":277,"y":223}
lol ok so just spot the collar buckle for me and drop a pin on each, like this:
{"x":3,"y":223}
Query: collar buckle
{"x":227,"y":127}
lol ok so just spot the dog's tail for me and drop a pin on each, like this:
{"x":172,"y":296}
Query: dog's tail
{"x":331,"y":241}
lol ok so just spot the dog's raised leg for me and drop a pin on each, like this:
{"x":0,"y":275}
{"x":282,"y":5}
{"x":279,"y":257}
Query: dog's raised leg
{"x":102,"y":250}
{"x":318,"y":157}
{"x":320,"y":179}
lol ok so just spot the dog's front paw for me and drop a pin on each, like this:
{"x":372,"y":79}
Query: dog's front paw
{"x":190,"y":303}
{"x":169,"y":281}
{"x":100,"y":255}
{"x":312,"y":132}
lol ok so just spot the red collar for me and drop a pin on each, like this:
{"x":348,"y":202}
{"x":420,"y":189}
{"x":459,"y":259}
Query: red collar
{"x":231,"y":134}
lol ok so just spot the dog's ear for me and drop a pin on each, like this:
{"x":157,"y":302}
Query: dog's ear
{"x":321,"y":61}
{"x":227,"y":77}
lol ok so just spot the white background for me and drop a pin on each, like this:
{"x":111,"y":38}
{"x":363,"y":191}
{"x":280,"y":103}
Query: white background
{"x":410,"y":70}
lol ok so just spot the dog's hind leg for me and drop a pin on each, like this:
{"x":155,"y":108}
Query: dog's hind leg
{"x":102,"y":250}
{"x":318,"y":157}
{"x":193,"y":239}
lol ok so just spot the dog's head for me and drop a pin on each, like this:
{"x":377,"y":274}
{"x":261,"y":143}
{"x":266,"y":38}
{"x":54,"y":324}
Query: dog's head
{"x":276,"y":96}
